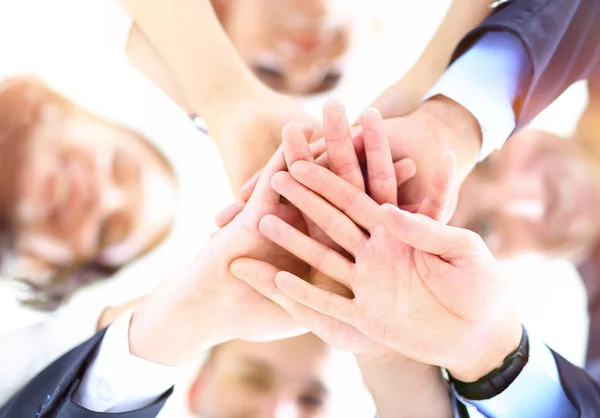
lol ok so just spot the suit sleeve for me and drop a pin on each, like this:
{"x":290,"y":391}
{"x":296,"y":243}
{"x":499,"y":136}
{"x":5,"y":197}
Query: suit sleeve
{"x":562,"y":41}
{"x":50,"y":393}
{"x":580,"y":388}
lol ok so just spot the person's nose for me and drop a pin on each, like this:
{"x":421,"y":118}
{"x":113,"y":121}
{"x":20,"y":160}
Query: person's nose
{"x":524,"y":197}
{"x":304,"y":44}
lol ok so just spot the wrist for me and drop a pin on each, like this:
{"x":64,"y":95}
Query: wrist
{"x":230,"y":93}
{"x":491,"y":350}
{"x":457,"y":130}
{"x":382,"y":369}
{"x":396,"y":381}
{"x":168,"y":314}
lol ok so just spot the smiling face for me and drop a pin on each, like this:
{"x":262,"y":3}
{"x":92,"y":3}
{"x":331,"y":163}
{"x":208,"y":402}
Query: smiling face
{"x":85,"y":191}
{"x":293,"y":46}
{"x":288,"y":378}
{"x":539,"y":193}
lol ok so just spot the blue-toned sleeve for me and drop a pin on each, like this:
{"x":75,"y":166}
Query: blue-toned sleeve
{"x":536,"y":393}
{"x":485,"y":81}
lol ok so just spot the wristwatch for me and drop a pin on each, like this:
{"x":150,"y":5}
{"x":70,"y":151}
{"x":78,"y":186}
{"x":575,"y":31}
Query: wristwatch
{"x":496,"y":381}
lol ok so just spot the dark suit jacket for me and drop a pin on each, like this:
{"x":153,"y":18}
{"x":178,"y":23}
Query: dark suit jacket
{"x":562,"y":39}
{"x":580,"y":388}
{"x":50,"y":393}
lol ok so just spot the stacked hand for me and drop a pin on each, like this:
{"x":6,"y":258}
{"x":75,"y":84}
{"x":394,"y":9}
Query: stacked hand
{"x":417,"y":283}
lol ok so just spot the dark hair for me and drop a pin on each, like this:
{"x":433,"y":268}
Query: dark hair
{"x":22,"y":103}
{"x":48,"y":298}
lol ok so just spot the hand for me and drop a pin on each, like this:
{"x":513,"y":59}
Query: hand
{"x":438,"y":296}
{"x":392,"y":378}
{"x":205,"y":305}
{"x":247,"y":130}
{"x":381,"y":178}
{"x":343,"y":160}
{"x":437,"y":125}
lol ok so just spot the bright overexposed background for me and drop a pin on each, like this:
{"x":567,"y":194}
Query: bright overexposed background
{"x":548,"y":295}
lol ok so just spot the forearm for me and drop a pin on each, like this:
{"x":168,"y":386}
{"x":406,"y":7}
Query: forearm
{"x":144,"y":57}
{"x":404,"y":388}
{"x":190,"y":39}
{"x":404,"y":95}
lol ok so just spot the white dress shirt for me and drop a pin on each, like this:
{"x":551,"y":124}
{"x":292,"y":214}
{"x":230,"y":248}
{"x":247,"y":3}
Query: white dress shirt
{"x":118,"y":381}
{"x":485,"y":81}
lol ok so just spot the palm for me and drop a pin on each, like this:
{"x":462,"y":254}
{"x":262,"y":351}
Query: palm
{"x":470,"y":287}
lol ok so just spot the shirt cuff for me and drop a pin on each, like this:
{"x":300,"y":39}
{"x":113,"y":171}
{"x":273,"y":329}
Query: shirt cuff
{"x":118,"y":381}
{"x":537,"y":391}
{"x":486,"y":81}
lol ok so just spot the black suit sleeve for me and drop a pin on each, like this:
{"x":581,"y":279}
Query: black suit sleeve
{"x":580,"y":388}
{"x":562,"y":40}
{"x":50,"y":393}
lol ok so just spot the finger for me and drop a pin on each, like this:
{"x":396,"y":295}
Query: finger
{"x":247,"y":189}
{"x":334,"y":332}
{"x":357,"y":141}
{"x":331,"y":221}
{"x":381,"y":176}
{"x":410,"y":207}
{"x":295,"y":145}
{"x":340,"y":149}
{"x":226,"y":215}
{"x":307,"y":130}
{"x":317,"y":148}
{"x":428,"y":235}
{"x":405,"y":170}
{"x":356,"y":204}
{"x":320,"y":300}
{"x":315,"y":254}
{"x":258,"y":274}
{"x":437,"y":198}
{"x":264,"y":193}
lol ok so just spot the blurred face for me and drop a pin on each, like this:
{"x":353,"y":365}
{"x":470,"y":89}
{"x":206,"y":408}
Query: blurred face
{"x":293,"y":46}
{"x":280,"y":379}
{"x":539,"y":193}
{"x":87,"y":191}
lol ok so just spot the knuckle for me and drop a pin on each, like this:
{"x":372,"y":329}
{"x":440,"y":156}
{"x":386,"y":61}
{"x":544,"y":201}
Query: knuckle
{"x":349,"y":200}
{"x":381,"y":175}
